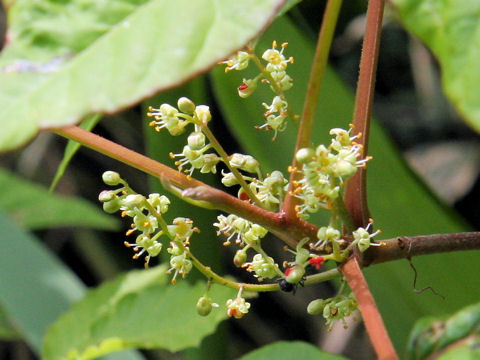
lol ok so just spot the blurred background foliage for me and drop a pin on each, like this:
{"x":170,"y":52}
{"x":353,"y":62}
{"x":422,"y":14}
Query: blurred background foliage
{"x":423,"y":179}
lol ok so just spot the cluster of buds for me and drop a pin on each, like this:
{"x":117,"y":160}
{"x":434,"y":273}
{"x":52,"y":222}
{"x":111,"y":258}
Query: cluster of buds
{"x":333,"y":309}
{"x":324,"y":171}
{"x":270,"y":191}
{"x":194,"y":154}
{"x":176,"y":121}
{"x":263,"y":266}
{"x":146,"y":214}
{"x":273,"y":73}
{"x":243,"y":231}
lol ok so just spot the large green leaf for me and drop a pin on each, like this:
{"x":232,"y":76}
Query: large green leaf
{"x":140,"y":309}
{"x":451,"y":29}
{"x":294,"y":350}
{"x":34,"y":207}
{"x":399,"y":203}
{"x":77,"y":57}
{"x":35,"y":287}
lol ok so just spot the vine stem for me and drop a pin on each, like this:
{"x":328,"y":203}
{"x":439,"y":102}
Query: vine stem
{"x":371,"y":316}
{"x":319,"y":65}
{"x":219,"y":149}
{"x":192,"y":188}
{"x":391,"y":249}
{"x":355,"y":193}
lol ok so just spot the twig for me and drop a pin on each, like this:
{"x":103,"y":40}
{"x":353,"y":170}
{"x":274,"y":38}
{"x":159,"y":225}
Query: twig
{"x":371,"y":316}
{"x":319,"y":65}
{"x":404,"y":247}
{"x":355,"y":193}
{"x":195,"y":189}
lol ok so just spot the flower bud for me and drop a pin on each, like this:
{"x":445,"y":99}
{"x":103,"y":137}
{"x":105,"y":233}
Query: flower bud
{"x":295,"y":275}
{"x":134,"y":200}
{"x":106,"y":195}
{"x":204,"y":306}
{"x":202,"y":113}
{"x":186,"y":106}
{"x":229,"y":179}
{"x":111,"y":178}
{"x":316,"y":306}
{"x":244,"y":162}
{"x":196,"y":140}
{"x":240,"y":258}
{"x":247,"y":88}
{"x":305,"y":155}
{"x":111,"y":206}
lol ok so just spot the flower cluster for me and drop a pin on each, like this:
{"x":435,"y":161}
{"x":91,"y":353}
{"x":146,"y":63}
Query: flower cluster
{"x":264,"y":267}
{"x":243,"y":231}
{"x":273,"y":73}
{"x":146,"y":214}
{"x":324,"y":171}
{"x":175,"y":121}
{"x":333,"y":309}
{"x":320,"y":176}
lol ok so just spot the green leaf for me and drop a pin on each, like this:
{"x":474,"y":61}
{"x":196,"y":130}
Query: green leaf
{"x":104,"y":58}
{"x":295,"y":350}
{"x":457,"y":336}
{"x":71,"y":149}
{"x":35,"y":287}
{"x":32,"y":206}
{"x":399,"y":203}
{"x":138,"y":310}
{"x":451,"y":30}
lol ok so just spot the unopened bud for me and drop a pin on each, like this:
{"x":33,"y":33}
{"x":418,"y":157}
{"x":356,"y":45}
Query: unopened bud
{"x":111,"y":178}
{"x":186,"y":106}
{"x":247,"y":88}
{"x":295,"y":275}
{"x":305,"y":155}
{"x":240,"y":258}
{"x":316,"y":306}
{"x":202,"y":113}
{"x":204,"y":306}
{"x":196,"y":140}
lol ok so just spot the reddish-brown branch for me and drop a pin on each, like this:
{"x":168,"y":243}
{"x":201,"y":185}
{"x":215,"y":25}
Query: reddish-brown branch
{"x":405,"y":247}
{"x":355,"y":193}
{"x":289,"y":231}
{"x":371,"y":317}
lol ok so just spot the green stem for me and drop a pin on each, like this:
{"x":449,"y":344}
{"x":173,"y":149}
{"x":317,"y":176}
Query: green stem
{"x":319,"y":65}
{"x":219,"y":149}
{"x":342,"y":212}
